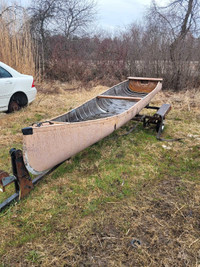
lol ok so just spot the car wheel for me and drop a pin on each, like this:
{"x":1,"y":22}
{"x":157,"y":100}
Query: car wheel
{"x":13,"y":106}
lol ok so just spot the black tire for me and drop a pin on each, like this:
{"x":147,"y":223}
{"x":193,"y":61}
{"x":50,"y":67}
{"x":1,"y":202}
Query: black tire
{"x":159,"y":124}
{"x":13,"y":106}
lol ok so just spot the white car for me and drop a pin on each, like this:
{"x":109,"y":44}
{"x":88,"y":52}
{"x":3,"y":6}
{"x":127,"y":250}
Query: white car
{"x":16,"y":90}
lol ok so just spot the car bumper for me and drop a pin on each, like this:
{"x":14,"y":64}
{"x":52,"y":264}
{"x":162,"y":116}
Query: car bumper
{"x":31,"y":95}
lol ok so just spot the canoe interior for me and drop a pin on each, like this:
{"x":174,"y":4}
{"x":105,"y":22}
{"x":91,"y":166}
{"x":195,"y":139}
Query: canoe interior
{"x":98,"y":108}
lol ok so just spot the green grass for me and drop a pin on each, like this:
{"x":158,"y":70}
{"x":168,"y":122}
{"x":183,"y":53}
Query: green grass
{"x":33,"y":256}
{"x":101,"y":192}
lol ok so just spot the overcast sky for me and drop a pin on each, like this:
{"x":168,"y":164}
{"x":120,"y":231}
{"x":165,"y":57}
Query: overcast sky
{"x":114,"y":14}
{"x":118,"y":13}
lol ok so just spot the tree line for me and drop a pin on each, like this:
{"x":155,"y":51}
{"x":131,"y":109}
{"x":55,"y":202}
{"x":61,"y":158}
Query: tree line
{"x":165,"y":45}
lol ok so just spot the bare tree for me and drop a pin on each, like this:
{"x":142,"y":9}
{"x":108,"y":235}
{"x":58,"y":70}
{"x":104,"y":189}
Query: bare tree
{"x":58,"y":17}
{"x":180,"y":19}
{"x":42,"y":12}
{"x":74,"y":16}
{"x":10,"y":13}
{"x":65,"y":17}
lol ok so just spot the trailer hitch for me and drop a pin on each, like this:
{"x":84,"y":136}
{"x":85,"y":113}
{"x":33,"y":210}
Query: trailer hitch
{"x":24,"y":183}
{"x":21,"y":178}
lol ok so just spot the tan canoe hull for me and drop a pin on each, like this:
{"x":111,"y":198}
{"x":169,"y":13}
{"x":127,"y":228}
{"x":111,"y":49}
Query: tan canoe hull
{"x":50,"y":145}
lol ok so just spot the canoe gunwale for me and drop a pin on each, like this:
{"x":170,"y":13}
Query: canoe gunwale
{"x":83,"y":123}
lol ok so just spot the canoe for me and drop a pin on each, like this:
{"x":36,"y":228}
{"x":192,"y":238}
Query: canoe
{"x":49,"y":143}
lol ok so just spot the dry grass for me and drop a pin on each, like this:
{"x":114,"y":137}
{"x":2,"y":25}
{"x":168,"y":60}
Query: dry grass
{"x":87,"y":212}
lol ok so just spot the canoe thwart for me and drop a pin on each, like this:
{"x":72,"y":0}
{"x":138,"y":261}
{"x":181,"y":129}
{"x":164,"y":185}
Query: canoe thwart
{"x":146,"y":79}
{"x":135,"y":99}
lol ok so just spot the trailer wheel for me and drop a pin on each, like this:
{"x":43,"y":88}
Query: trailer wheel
{"x":160,"y":124}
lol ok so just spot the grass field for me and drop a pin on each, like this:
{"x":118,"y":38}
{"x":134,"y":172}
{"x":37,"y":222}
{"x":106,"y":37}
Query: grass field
{"x":124,"y":188}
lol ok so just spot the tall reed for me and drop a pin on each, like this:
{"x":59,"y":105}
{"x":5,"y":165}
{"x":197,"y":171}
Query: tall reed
{"x":17,"y":48}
